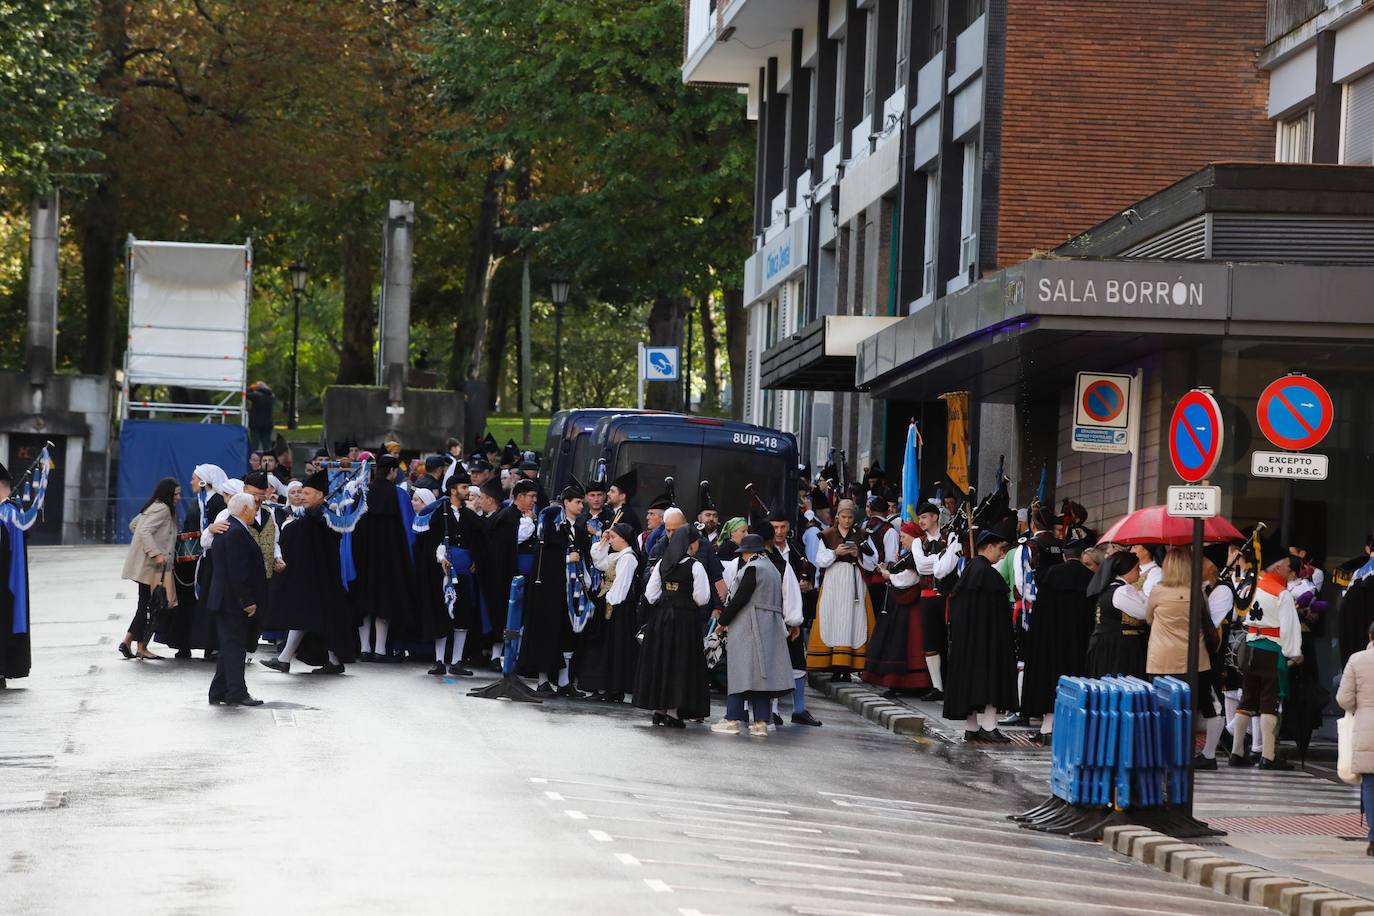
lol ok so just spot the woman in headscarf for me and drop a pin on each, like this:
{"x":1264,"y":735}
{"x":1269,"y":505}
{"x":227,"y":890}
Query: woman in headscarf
{"x":215,"y":521}
{"x":610,"y":649}
{"x":206,"y":503}
{"x":1120,"y":640}
{"x":727,"y":545}
{"x":671,"y":679}
{"x":844,"y":614}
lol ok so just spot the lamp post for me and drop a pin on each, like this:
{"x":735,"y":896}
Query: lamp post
{"x":559,"y":288}
{"x":299,"y":274}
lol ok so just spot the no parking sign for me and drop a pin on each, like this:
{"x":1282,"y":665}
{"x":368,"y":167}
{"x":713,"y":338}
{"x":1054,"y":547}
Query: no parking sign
{"x":1295,"y":413}
{"x":1102,"y":413}
{"x":1195,"y":435}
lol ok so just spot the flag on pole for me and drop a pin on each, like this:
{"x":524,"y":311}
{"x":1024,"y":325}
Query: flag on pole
{"x":911,"y":477}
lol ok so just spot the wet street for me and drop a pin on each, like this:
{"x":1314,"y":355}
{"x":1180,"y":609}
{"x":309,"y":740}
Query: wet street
{"x":387,"y":790}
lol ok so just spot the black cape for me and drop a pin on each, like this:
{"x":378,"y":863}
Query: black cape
{"x":381,"y":555}
{"x":1057,"y":641}
{"x":462,"y":529}
{"x":16,"y":653}
{"x":1357,"y":612}
{"x":309,"y":594}
{"x":982,"y":660}
{"x":203,"y":633}
{"x":497,"y":566}
{"x":548,"y":629}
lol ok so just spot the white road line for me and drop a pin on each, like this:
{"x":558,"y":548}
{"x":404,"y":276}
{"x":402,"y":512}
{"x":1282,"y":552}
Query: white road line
{"x":600,"y":836}
{"x":842,"y":850}
{"x":753,"y":808}
{"x":553,"y":796}
{"x":847,"y":869}
{"x":627,"y":859}
{"x":539,"y":780}
{"x":658,"y":886}
{"x":576,"y":815}
{"x":859,"y":891}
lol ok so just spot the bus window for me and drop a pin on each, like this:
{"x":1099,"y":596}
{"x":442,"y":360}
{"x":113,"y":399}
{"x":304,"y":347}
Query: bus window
{"x":729,"y":469}
{"x":584,"y":455}
{"x":655,"y":461}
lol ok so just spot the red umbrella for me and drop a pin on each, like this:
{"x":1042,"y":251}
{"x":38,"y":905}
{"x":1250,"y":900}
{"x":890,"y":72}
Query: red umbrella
{"x":1153,"y":525}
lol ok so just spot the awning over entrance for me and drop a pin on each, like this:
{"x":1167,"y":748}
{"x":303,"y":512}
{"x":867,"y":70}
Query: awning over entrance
{"x":1045,"y":318}
{"x":821,"y":356}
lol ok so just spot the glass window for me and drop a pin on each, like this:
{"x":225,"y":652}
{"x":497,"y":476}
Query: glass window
{"x":968,"y":215}
{"x":1357,"y":123}
{"x":729,"y":470}
{"x":1293,"y":141}
{"x":931,"y":228}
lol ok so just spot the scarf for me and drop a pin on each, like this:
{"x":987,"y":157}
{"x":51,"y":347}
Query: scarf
{"x":579,"y":601}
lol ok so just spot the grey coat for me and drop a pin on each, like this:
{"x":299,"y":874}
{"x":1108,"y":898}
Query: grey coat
{"x":1356,"y":696}
{"x":756,"y":658}
{"x":154,"y":534}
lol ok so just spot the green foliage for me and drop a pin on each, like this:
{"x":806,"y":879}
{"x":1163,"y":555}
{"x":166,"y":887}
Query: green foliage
{"x":47,"y":108}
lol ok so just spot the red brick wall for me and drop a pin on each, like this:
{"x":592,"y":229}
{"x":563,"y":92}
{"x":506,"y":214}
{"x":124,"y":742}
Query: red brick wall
{"x":1108,"y":101}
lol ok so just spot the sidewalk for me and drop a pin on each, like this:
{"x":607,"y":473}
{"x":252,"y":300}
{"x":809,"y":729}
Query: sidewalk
{"x":1305,"y":824}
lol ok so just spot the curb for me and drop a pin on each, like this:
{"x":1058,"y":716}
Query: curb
{"x":867,"y":702}
{"x":1246,"y":883}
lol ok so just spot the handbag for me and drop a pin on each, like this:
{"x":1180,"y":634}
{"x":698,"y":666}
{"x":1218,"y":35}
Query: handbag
{"x":1345,"y":749}
{"x":715,"y":645}
{"x":158,"y":610}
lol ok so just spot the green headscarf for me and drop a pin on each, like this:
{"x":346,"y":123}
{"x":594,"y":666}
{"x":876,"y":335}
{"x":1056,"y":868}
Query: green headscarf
{"x":728,"y":530}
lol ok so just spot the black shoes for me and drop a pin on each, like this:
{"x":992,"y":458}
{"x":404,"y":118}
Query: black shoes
{"x":459,"y":671}
{"x":1236,"y":760}
{"x":804,"y":718}
{"x":1040,"y":739}
{"x":276,"y":664}
{"x":367,"y":656}
{"x":1278,"y":763}
{"x":777,"y":720}
{"x":992,"y":737}
{"x":182,"y":653}
{"x":571,"y":692}
{"x":1204,"y":763}
{"x":545,"y":689}
{"x":243,"y":701}
{"x":329,"y":669}
{"x":971,"y":736}
{"x":1015,"y":720}
{"x":659,"y":718}
{"x":933,"y":696}
{"x":215,"y":701}
{"x":673,"y":722}
{"x":125,"y":651}
{"x":439,"y":669}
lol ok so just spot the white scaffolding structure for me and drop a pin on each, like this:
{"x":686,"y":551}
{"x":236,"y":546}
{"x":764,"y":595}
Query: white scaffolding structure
{"x":188,"y":327}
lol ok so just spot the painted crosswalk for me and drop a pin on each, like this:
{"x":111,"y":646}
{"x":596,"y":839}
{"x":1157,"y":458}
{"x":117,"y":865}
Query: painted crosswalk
{"x":839,"y":853}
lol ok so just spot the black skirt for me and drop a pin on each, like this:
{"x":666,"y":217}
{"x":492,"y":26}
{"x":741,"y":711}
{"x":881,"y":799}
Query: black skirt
{"x":1114,"y":653}
{"x":609,"y":654}
{"x":896,"y":651}
{"x":672,"y":663}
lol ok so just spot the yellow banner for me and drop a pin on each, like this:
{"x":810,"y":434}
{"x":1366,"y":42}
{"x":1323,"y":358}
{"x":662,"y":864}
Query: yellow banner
{"x":957,"y":453}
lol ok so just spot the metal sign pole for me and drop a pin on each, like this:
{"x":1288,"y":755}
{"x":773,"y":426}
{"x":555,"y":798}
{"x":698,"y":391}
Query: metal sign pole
{"x":1194,"y":634}
{"x":1134,"y":434}
{"x":640,"y":379}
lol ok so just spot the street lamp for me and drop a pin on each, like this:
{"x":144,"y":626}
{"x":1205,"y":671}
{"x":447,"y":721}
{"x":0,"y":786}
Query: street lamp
{"x":559,"y":289}
{"x":299,"y":274}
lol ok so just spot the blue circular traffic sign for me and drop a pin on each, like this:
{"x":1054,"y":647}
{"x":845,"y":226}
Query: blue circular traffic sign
{"x":1104,"y":400}
{"x":1295,"y":412}
{"x":1195,"y":436}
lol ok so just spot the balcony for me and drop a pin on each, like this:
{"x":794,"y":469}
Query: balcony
{"x":728,"y":40}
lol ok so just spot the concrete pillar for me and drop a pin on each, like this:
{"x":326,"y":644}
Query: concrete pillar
{"x":393,"y":354}
{"x":42,"y":330}
{"x":997,"y":434}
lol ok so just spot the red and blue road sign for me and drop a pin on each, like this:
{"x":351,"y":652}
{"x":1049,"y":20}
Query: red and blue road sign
{"x":1295,"y":412}
{"x":1104,"y":400}
{"x":1195,"y":436}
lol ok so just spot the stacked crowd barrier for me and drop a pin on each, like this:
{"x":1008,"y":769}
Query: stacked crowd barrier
{"x":1122,"y":750}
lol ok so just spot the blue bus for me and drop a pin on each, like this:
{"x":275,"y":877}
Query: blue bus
{"x":727,"y":453}
{"x":571,"y":447}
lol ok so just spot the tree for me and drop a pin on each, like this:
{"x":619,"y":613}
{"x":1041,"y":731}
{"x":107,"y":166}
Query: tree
{"x":47,"y":109}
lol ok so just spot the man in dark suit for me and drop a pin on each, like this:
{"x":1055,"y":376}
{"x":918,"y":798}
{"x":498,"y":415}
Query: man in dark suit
{"x":236,"y":585}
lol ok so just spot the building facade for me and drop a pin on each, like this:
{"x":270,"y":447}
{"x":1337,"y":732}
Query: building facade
{"x":906,"y":148}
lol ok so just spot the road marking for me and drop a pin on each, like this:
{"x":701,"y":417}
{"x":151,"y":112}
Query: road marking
{"x":553,"y":796}
{"x":674,"y":817}
{"x":539,"y":779}
{"x":843,"y":850}
{"x":627,"y":859}
{"x":576,"y":815}
{"x":756,"y":810}
{"x":859,"y":891}
{"x":658,"y":886}
{"x":847,"y":869}
{"x":600,"y":836}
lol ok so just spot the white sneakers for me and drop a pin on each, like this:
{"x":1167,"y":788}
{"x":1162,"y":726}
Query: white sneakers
{"x":726,"y":727}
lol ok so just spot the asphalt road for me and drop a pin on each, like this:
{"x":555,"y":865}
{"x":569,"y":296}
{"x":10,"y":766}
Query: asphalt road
{"x":386,"y":790}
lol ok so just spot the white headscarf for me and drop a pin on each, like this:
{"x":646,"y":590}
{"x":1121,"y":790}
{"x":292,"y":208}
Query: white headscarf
{"x":230,"y":488}
{"x":211,"y":475}
{"x":426,"y":495}
{"x":276,"y":484}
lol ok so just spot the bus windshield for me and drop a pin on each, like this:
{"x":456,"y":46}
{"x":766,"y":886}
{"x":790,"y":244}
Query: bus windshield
{"x":727,"y":470}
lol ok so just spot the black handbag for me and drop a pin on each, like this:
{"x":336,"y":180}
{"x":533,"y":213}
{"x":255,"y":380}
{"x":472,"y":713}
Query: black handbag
{"x":158,"y":611}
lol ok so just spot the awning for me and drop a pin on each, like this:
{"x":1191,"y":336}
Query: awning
{"x":821,"y":356}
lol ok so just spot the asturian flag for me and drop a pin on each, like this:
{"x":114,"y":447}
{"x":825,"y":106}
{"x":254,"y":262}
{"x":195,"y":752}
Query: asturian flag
{"x":911,"y":477}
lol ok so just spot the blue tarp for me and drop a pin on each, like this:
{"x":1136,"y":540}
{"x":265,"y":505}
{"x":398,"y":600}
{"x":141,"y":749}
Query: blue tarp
{"x":150,"y":450}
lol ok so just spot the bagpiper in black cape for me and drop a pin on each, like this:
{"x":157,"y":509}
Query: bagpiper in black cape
{"x":548,"y":642}
{"x":383,"y":590}
{"x":459,"y":531}
{"x":1062,"y":619}
{"x":982,"y":660}
{"x":308,"y":594}
{"x":16,"y":653}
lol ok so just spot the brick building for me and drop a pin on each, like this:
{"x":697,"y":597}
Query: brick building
{"x":906,"y":148}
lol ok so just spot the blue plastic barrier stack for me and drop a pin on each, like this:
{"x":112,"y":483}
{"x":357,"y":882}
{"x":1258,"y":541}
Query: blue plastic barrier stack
{"x":1121,"y":753}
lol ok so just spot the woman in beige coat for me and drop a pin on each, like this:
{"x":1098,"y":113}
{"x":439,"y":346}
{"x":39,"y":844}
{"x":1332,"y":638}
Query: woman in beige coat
{"x":1356,"y":696}
{"x":1166,"y":611}
{"x":150,"y":555}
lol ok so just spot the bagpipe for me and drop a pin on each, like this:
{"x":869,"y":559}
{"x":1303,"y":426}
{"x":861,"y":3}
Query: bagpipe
{"x":28,"y":495}
{"x":581,"y":607}
{"x":346,"y":501}
{"x":760,"y":515}
{"x":1247,"y":564}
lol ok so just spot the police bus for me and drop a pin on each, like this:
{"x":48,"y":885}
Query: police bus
{"x":727,"y":453}
{"x":570,"y":448}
